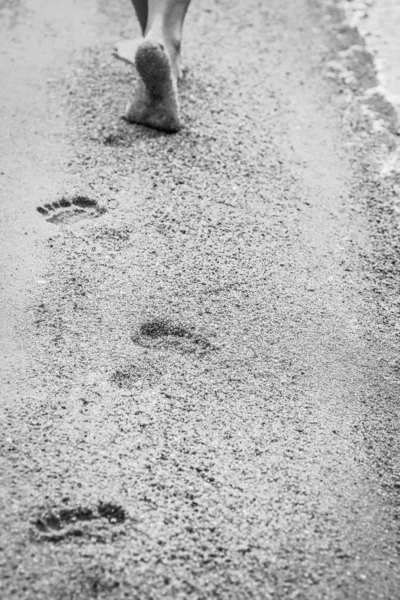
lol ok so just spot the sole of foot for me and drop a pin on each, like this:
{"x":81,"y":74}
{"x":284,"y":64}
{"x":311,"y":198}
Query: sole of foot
{"x":156,"y":99}
{"x":126,"y":50}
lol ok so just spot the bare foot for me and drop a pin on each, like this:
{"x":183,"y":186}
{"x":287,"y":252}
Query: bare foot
{"x":156,"y":100}
{"x":126,"y":50}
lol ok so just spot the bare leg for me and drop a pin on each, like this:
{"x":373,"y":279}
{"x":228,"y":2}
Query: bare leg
{"x":157,"y":60}
{"x":126,"y":49}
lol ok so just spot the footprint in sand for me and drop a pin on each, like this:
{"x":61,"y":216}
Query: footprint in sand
{"x":64,"y":211}
{"x":160,"y":333}
{"x":62,"y":523}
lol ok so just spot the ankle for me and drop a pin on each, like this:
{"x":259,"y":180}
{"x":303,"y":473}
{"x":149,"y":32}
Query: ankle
{"x":171,"y":47}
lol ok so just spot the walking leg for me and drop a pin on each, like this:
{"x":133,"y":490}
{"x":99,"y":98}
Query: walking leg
{"x":157,"y":60}
{"x":126,"y":49}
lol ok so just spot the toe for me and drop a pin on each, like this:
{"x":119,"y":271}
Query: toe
{"x":126,"y":50}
